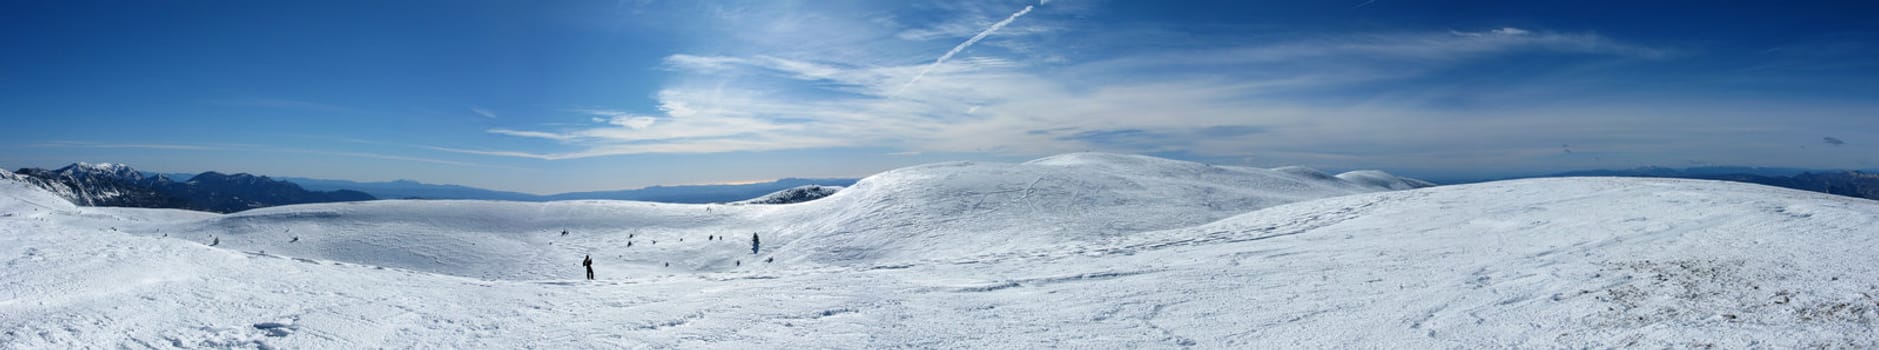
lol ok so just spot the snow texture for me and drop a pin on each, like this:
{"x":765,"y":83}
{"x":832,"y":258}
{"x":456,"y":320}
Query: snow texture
{"x":794,"y":195}
{"x":1074,"y":251}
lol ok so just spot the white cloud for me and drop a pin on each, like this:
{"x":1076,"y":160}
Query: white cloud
{"x":635,"y":123}
{"x":249,"y":148}
{"x":534,"y":134}
{"x":1236,"y":99}
{"x":1453,"y":45}
{"x":483,"y":112}
{"x":720,"y":145}
{"x":626,"y":119}
{"x":702,"y":63}
{"x":74,"y":144}
{"x":962,"y":46}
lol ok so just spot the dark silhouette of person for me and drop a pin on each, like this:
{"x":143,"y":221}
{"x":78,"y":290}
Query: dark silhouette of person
{"x":588,"y":261}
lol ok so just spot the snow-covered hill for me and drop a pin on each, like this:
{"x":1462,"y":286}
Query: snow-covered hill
{"x":1552,"y":263}
{"x":118,"y":185}
{"x":949,"y":209}
{"x":794,"y":195}
{"x":909,"y":214}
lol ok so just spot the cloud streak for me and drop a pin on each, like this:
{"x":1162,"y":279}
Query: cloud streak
{"x":73,"y":144}
{"x":247,"y":148}
{"x":280,"y":103}
{"x":968,"y":43}
{"x":1401,"y":99}
{"x":533,"y":134}
{"x":992,"y":104}
{"x":483,"y":112}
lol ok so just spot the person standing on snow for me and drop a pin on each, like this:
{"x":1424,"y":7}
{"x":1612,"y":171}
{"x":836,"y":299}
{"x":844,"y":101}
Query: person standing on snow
{"x":588,"y":261}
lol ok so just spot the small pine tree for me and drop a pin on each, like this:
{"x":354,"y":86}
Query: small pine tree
{"x":754,"y":244}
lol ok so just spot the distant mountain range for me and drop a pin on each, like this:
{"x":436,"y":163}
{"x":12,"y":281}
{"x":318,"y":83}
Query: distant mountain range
{"x":407,"y":189}
{"x":117,"y":185}
{"x":106,"y":184}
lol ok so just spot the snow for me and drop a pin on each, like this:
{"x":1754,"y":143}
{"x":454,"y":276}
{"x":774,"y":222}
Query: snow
{"x":794,"y":195}
{"x":1077,"y":251}
{"x":22,"y":185}
{"x":1382,"y":179}
{"x":111,"y":170}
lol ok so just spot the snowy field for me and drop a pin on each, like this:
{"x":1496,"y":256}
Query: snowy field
{"x":1074,"y":251}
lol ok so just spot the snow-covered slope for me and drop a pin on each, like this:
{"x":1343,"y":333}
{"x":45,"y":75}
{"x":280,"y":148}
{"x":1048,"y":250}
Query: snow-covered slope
{"x":949,"y":209}
{"x":1377,"y":178}
{"x":910,"y":214}
{"x":1549,"y":263}
{"x":97,"y":184}
{"x":794,"y":195}
{"x":23,"y":196}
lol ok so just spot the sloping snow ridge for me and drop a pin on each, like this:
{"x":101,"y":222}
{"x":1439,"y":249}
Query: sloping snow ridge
{"x":951,"y":209}
{"x":1377,"y":178}
{"x":1544,"y":263}
{"x":23,"y":198}
{"x":794,"y":195}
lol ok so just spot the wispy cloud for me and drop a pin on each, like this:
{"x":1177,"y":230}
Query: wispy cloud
{"x":246,"y":148}
{"x":1262,"y":97}
{"x":279,"y":103}
{"x":620,"y":118}
{"x":387,"y":157}
{"x":697,"y":146}
{"x":1438,"y":46}
{"x":534,"y":134}
{"x":486,"y":113}
{"x":76,"y":144}
{"x":962,"y":46}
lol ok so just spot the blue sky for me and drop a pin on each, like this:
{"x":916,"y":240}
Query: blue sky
{"x":568,"y":96}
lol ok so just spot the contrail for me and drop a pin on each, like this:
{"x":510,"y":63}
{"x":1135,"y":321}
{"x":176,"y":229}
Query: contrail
{"x":968,"y":43}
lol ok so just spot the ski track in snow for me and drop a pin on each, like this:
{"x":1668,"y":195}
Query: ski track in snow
{"x":1553,"y":263}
